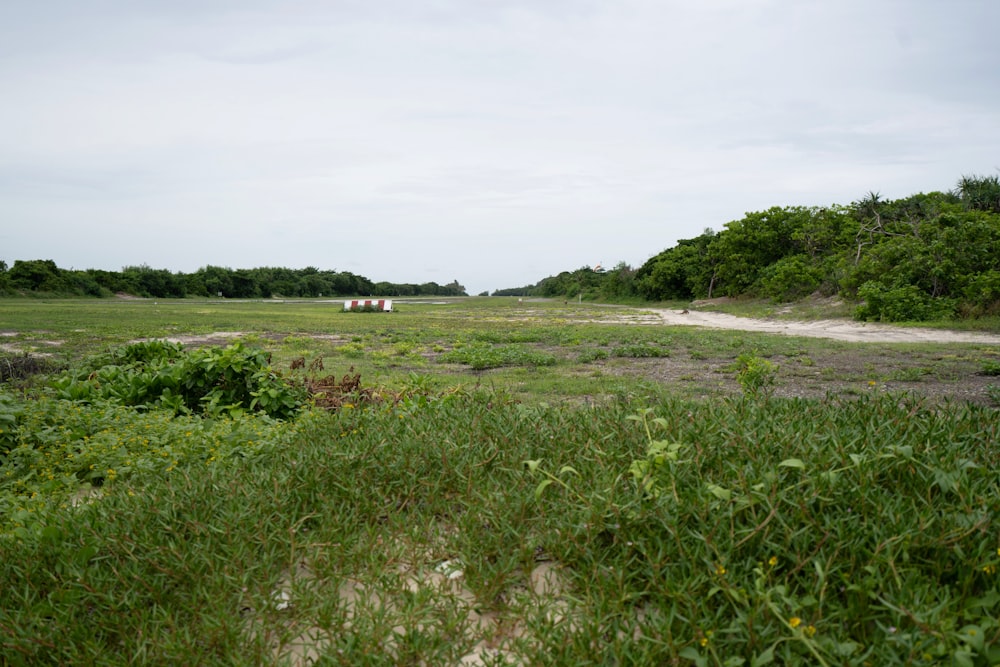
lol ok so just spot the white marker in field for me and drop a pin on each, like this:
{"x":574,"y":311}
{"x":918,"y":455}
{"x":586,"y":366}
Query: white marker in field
{"x":384,"y":305}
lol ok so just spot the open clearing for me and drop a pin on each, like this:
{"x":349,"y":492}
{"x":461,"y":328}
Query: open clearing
{"x":590,"y":345}
{"x":496,"y":482}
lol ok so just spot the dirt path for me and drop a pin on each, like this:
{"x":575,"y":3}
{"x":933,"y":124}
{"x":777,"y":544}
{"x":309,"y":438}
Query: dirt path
{"x":846,"y":330}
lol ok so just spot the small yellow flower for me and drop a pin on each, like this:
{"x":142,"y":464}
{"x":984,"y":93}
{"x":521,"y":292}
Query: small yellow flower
{"x":795,"y":622}
{"x":703,"y":641}
{"x":720,"y":570}
{"x":810,"y":630}
{"x":989,"y":569}
{"x":772,"y":561}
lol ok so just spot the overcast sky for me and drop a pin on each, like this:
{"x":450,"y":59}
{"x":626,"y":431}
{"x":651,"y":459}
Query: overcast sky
{"x":493,"y":142}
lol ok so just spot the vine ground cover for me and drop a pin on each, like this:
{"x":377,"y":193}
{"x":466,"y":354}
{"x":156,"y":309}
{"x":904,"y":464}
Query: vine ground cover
{"x":734,"y":530}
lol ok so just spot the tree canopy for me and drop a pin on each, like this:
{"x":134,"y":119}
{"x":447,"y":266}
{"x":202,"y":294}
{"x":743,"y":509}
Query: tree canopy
{"x":927,"y":256}
{"x":43,"y":276}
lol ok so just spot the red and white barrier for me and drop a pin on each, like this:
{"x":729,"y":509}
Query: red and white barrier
{"x":385,"y":305}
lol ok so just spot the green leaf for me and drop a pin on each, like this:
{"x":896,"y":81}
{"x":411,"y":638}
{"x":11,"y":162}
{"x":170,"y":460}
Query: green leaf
{"x":540,"y":489}
{"x":846,"y":648}
{"x":962,"y":658}
{"x":765,"y":658}
{"x":719,"y":492}
{"x":691,"y":653}
{"x":51,"y":533}
{"x":792,"y":463}
{"x":973,"y":636}
{"x":84,"y":555}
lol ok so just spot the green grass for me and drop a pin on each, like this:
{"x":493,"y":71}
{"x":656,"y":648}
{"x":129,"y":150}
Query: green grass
{"x":595,"y":517}
{"x":870,"y":521}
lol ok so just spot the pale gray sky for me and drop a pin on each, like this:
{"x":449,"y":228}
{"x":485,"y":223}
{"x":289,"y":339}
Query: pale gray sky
{"x":490,"y":141}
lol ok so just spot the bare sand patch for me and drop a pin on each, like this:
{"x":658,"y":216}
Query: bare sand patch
{"x":846,"y":330}
{"x":420,"y":594}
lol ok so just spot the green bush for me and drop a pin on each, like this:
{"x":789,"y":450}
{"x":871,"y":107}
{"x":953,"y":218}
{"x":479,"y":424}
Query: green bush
{"x":983,"y":293}
{"x":591,"y":354}
{"x":211,"y":381}
{"x":791,"y":278}
{"x":755,"y":375}
{"x":907,"y":303}
{"x":640,"y":350}
{"x":10,"y":410}
{"x":481,"y":356}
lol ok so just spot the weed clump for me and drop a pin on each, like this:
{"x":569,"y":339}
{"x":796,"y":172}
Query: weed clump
{"x":17,"y":367}
{"x":157,"y":373}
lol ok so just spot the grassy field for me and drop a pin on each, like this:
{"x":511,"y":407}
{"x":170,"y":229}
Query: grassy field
{"x":505,"y":483}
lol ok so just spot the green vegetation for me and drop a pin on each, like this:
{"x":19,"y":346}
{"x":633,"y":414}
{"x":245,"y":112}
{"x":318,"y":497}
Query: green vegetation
{"x":925,"y":257}
{"x":755,"y":375}
{"x":43,"y":277}
{"x":487,"y":477}
{"x":479,"y":356}
{"x":159,"y":374}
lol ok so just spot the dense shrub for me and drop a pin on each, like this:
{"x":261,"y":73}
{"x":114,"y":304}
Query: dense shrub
{"x":791,"y":278}
{"x":211,"y":381}
{"x":907,"y":303}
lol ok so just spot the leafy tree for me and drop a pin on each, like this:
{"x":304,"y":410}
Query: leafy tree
{"x":618,"y":283}
{"x":217,"y":280}
{"x":158,"y":283}
{"x":681,"y":272}
{"x":904,"y":303}
{"x":791,"y":278}
{"x":243,"y":285}
{"x":982,"y":294}
{"x":527,"y":290}
{"x":38,"y":275}
{"x":84,"y":283}
{"x":979,"y":193}
{"x":748,"y":246}
{"x":570,"y":284}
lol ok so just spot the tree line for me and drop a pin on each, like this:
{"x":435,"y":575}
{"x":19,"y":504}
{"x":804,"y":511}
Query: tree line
{"x":43,"y":276}
{"x":926,"y":256}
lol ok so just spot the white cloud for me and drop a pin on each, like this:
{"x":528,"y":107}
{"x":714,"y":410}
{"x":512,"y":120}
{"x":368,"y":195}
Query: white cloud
{"x":490,"y":142}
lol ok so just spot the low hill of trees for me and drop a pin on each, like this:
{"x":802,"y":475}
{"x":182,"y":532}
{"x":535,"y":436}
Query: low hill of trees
{"x":43,"y":276}
{"x":927,"y":256}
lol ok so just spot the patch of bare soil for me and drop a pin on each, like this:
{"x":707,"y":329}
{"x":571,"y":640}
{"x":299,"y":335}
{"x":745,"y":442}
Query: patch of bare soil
{"x":417,"y":593}
{"x":834,"y":372}
{"x":847,"y":330}
{"x":825,"y":373}
{"x":210,"y":339}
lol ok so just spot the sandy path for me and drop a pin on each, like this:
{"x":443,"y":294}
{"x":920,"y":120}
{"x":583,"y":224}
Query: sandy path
{"x":847,"y":330}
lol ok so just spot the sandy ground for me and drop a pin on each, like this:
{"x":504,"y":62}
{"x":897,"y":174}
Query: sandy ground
{"x":846,"y":330}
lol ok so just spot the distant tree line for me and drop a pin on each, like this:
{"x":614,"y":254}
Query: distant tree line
{"x":927,"y":256}
{"x":42,"y":276}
